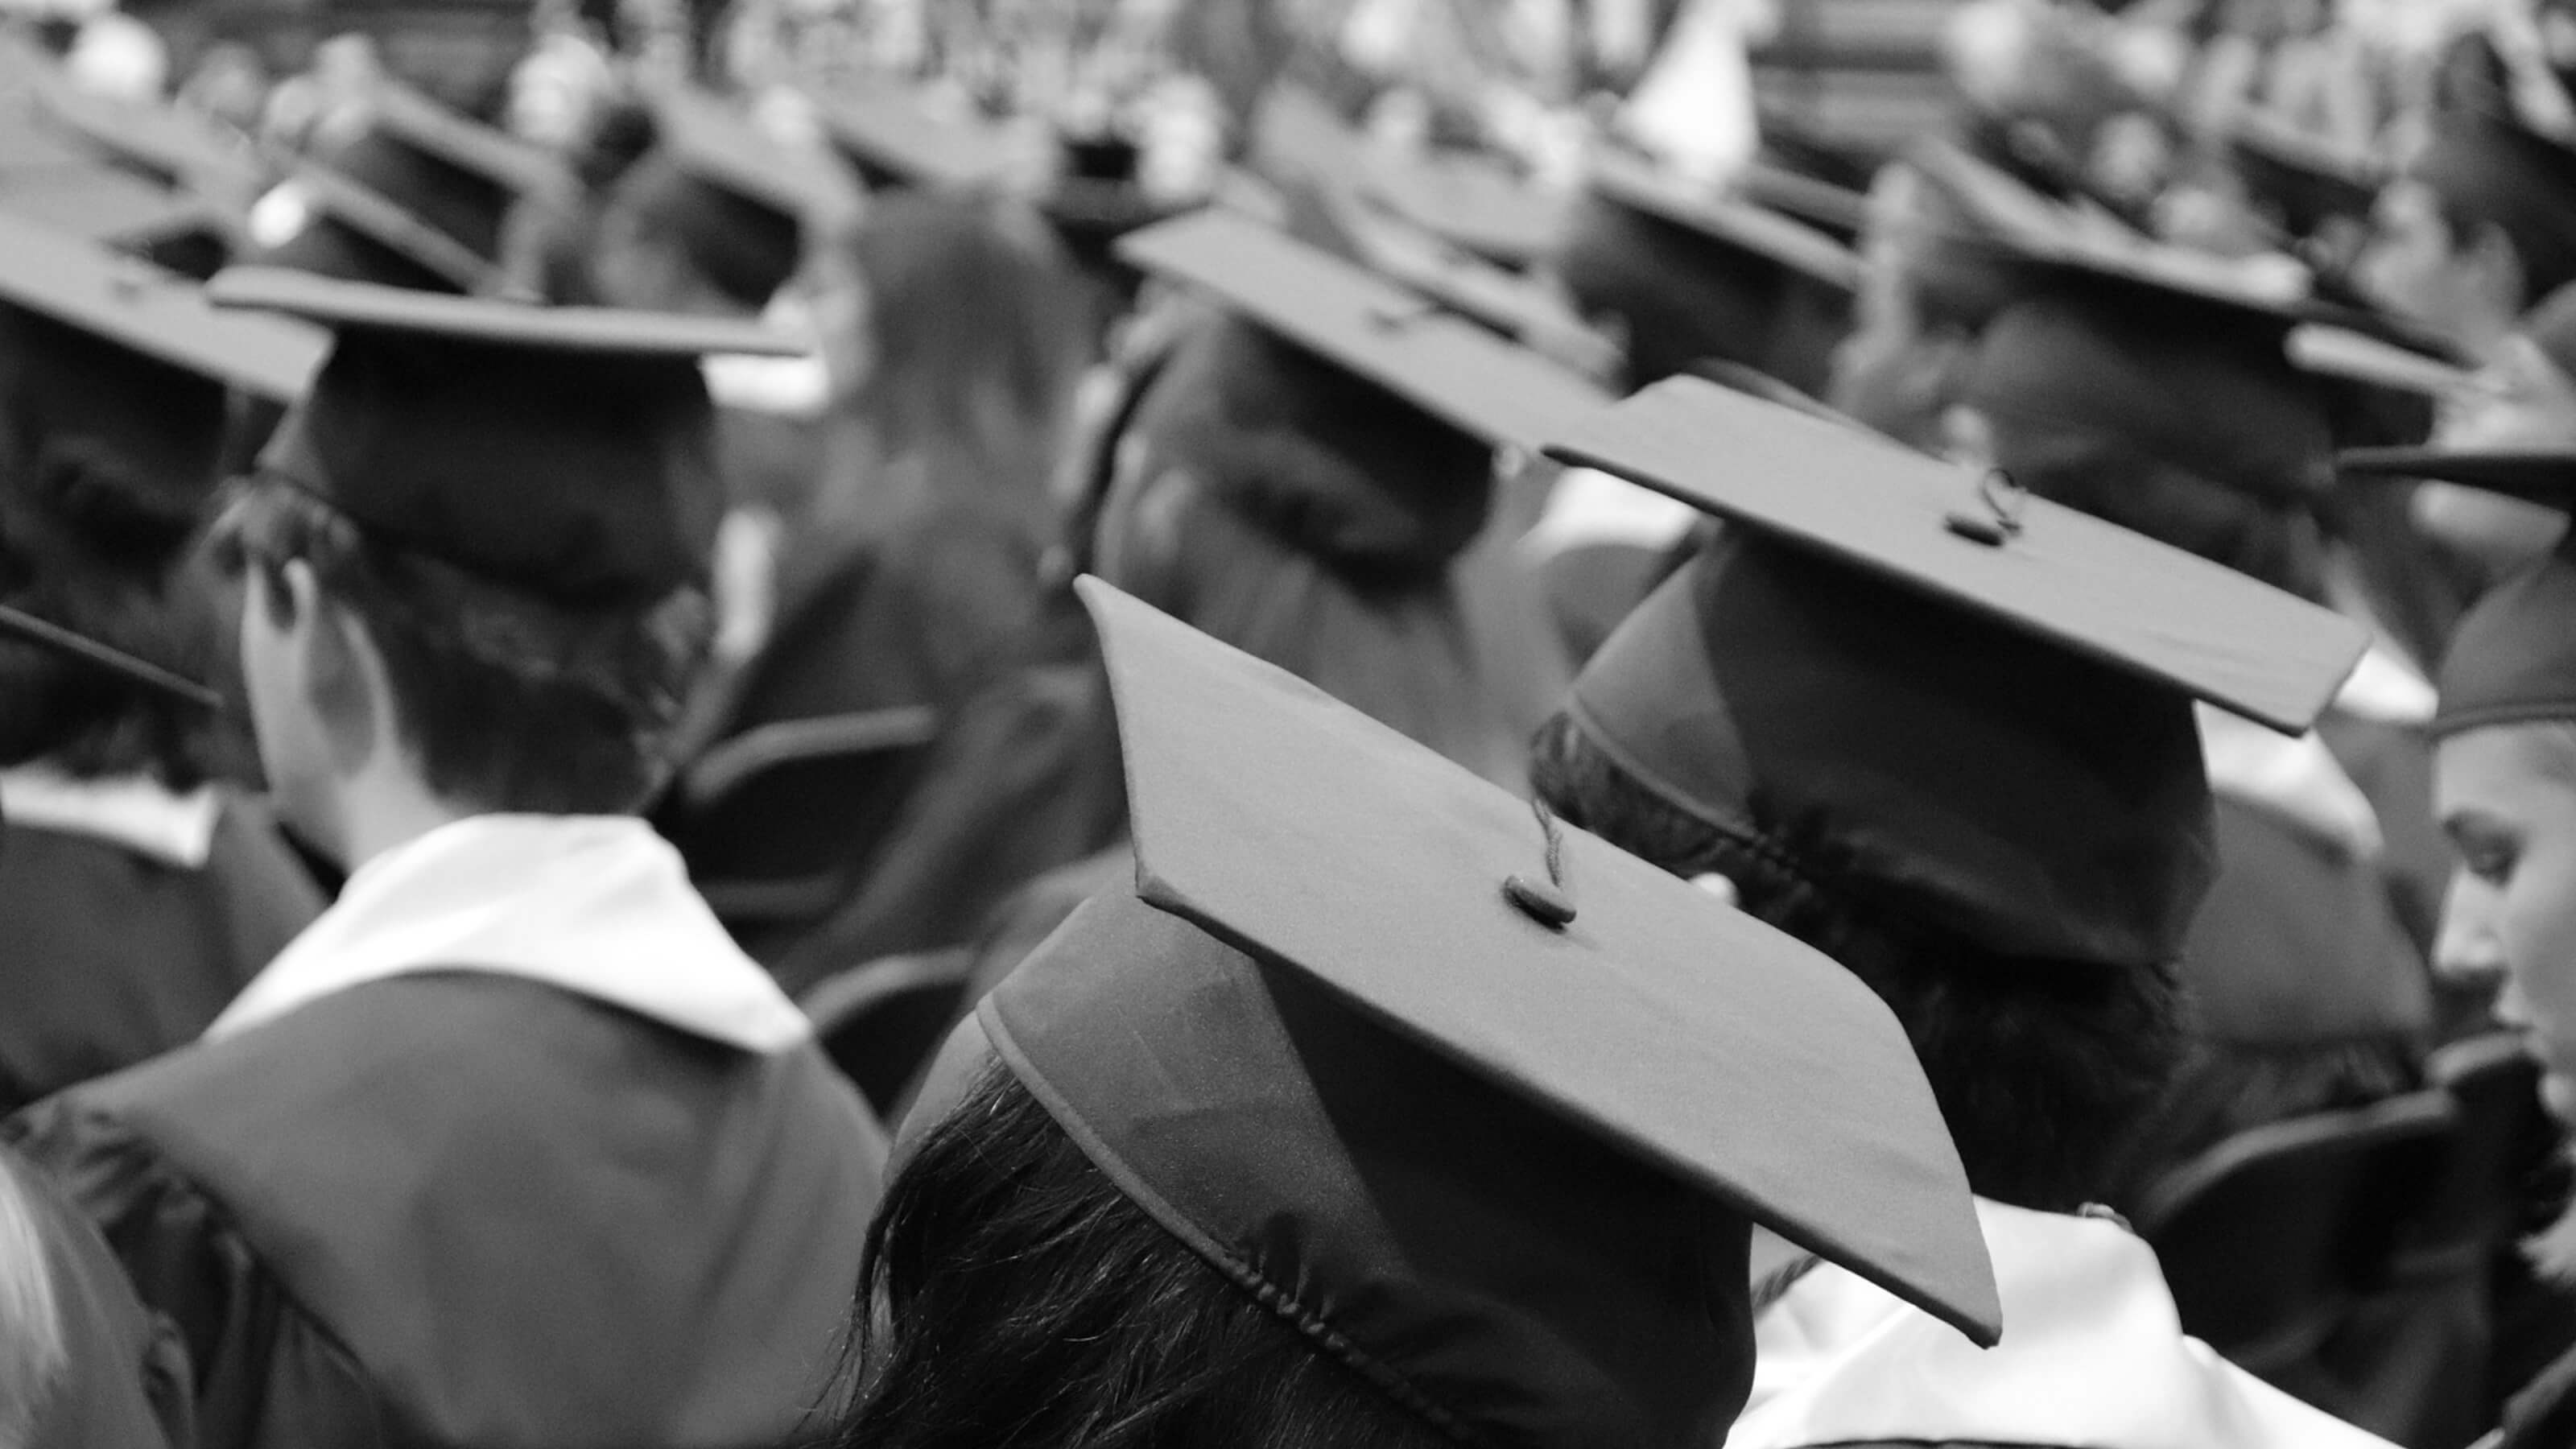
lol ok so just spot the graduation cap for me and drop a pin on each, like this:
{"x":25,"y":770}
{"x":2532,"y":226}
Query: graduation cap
{"x":1479,"y":1105}
{"x":183,"y":232}
{"x":1959,"y":705}
{"x":739,"y":204}
{"x":2488,"y":165}
{"x":1727,"y":220}
{"x":1376,"y":329}
{"x":1472,"y":200}
{"x":902,"y":137}
{"x":348,"y":232}
{"x":163,"y":143}
{"x":154,"y":313}
{"x":453,"y":175}
{"x":2307,"y":179}
{"x":562,"y":451}
{"x":2512,"y":657}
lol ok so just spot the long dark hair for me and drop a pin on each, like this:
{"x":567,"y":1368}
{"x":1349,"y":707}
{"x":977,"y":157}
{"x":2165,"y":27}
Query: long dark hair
{"x":1012,"y":1298}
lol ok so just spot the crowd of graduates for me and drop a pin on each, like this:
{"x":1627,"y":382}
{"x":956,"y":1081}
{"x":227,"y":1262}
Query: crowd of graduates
{"x":1158,"y":725}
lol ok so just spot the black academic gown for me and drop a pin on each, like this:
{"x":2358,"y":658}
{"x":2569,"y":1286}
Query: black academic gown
{"x":123,"y":1376}
{"x":469,"y":1209}
{"x":2309,"y":996}
{"x":114,"y":956}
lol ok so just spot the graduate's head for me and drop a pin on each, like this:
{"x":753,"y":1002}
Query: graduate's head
{"x":2505,"y":763}
{"x":2478,"y":229}
{"x":2524,"y":397}
{"x":113,"y":409}
{"x":402,"y":191}
{"x":2142,"y":405}
{"x":713,"y":220}
{"x":475,"y":556}
{"x":971,"y":337}
{"x":1301,"y":475}
{"x":1309,"y":1136}
{"x":1944,"y":734}
{"x":1686,"y":277}
{"x":1930,"y":281}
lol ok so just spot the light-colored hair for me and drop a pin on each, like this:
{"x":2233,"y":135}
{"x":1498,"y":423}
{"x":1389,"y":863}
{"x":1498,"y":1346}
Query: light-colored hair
{"x":32,"y":1355}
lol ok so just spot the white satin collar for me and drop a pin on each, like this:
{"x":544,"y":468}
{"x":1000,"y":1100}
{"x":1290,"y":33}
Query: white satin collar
{"x":134,"y":811}
{"x":2093,"y":1357}
{"x":596,"y":905}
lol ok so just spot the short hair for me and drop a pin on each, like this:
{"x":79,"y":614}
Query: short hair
{"x":2040,"y":1066}
{"x":507,"y":700}
{"x":1011,"y":1295}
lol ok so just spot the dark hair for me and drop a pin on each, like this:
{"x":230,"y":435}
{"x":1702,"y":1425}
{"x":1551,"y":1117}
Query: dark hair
{"x":104,"y":456}
{"x":1011,"y":1297}
{"x":509,"y":701}
{"x":970,"y":302}
{"x":2040,"y":1066}
{"x":2276,"y":539}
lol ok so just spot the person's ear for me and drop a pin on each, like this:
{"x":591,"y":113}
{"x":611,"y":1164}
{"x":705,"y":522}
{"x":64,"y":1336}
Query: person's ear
{"x":335,"y":667}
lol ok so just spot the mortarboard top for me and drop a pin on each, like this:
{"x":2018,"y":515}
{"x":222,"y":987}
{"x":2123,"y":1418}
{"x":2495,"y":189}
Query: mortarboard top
{"x":901,"y":137}
{"x":1731,"y":221}
{"x":563,"y":452}
{"x":96,"y":203}
{"x":2540,"y":475}
{"x":2512,"y":657}
{"x":1837,"y":211}
{"x":337,"y":201}
{"x":2309,"y":177}
{"x":720,"y":147}
{"x":1496,"y":1161}
{"x":1374,"y":328}
{"x":172,"y":146}
{"x":2324,"y":350}
{"x":2089,"y":586}
{"x":154,"y":313}
{"x":435,"y":130}
{"x":1472,"y":201}
{"x":345,"y":307}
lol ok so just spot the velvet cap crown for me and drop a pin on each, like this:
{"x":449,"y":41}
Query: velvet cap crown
{"x":1962,"y":705}
{"x":565,"y":451}
{"x":1500,"y":1168}
{"x":2512,"y":658}
{"x":1374,"y":328}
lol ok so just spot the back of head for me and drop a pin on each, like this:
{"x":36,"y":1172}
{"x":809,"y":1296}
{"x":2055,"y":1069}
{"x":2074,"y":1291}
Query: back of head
{"x":1682,"y":298}
{"x":106,"y":460}
{"x":1312,"y":519}
{"x":2192,"y":430}
{"x":977,"y":331}
{"x":1901,"y":789}
{"x":1027,"y":1302}
{"x":2491,"y":171}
